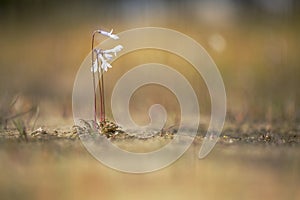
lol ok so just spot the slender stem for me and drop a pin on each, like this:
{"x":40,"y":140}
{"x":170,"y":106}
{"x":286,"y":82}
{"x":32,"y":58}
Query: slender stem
{"x":94,"y":84}
{"x":103,"y":99}
{"x":101,"y":94}
{"x":100,"y":85}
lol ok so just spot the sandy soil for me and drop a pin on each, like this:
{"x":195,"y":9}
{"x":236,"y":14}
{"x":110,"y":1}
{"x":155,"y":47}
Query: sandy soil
{"x":247,"y":163}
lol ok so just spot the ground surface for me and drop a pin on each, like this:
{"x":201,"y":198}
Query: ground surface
{"x":248,"y":162}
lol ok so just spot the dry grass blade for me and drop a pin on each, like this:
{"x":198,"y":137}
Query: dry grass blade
{"x":19,"y":124}
{"x":86,"y":124}
{"x":9,"y":111}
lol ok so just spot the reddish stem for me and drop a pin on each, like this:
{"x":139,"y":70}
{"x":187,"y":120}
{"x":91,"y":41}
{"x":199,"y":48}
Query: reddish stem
{"x":103,"y":99}
{"x":100,"y":94}
{"x":101,"y":88}
{"x":94,"y":84}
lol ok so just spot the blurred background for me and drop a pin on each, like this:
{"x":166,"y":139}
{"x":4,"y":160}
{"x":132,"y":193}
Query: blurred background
{"x":254,"y":43}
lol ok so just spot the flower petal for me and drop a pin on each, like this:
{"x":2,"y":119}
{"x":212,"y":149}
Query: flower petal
{"x":94,"y":67}
{"x":104,"y":66}
{"x":108,"y":56}
{"x":109,"y":34}
{"x":114,"y":50}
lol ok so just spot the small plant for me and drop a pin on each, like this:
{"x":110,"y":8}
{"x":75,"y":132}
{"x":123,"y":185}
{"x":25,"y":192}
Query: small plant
{"x":100,"y":64}
{"x":9,"y":111}
{"x":19,"y":124}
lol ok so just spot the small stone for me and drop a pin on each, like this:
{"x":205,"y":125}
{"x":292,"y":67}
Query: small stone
{"x":39,"y":131}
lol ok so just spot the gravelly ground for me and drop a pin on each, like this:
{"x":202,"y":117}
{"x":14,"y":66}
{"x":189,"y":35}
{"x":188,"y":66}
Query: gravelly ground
{"x":249,"y":162}
{"x":244,"y":134}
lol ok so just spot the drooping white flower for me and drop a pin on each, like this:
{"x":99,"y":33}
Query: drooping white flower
{"x":108,"y":56}
{"x":109,"y":34}
{"x":104,"y":64}
{"x":104,"y":56}
{"x":114,"y":50}
{"x":95,"y":66}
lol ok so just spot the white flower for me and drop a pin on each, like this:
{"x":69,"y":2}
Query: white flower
{"x":104,"y":64}
{"x":95,"y":67}
{"x":109,"y":34}
{"x":108,"y":56}
{"x":114,"y":50}
{"x":104,"y":56}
